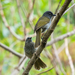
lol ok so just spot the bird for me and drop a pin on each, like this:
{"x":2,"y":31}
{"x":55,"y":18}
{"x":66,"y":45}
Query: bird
{"x":42,"y":25}
{"x":29,"y":49}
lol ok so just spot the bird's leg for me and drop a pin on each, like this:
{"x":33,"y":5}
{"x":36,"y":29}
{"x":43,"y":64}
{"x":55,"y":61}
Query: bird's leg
{"x":42,"y":35}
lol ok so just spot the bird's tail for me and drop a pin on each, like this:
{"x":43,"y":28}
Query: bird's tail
{"x":38,"y":37}
{"x":39,"y":64}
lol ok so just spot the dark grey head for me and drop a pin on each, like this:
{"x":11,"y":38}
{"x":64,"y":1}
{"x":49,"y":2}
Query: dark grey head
{"x":49,"y":14}
{"x":29,"y":39}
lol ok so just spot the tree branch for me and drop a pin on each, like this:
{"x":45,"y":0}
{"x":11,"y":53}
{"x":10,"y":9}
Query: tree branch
{"x":46,"y":36}
{"x":61,"y":37}
{"x":10,"y":50}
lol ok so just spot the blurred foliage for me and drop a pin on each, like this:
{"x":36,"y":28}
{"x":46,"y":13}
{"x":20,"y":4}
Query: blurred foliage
{"x":65,"y":24}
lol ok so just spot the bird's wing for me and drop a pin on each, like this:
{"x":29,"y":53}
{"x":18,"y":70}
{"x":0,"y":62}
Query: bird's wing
{"x":41,"y":22}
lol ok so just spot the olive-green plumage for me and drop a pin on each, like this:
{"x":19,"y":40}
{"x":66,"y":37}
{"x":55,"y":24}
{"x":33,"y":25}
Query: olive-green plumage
{"x":41,"y":22}
{"x":42,"y":25}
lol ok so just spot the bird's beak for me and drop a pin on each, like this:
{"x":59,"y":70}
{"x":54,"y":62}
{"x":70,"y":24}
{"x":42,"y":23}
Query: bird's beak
{"x":54,"y":15}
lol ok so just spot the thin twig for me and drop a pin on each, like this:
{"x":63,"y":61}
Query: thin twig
{"x":28,"y":15}
{"x":61,"y":37}
{"x":21,"y":18}
{"x":31,"y":12}
{"x":72,"y":4}
{"x":11,"y":50}
{"x":57,"y":57}
{"x":54,"y":47}
{"x":69,"y":8}
{"x":45,"y":71}
{"x":61,"y":48}
{"x":48,"y":55}
{"x":7,"y":25}
{"x":73,"y":8}
{"x":31,"y":8}
{"x":69,"y":56}
{"x":20,"y":66}
{"x":58,"y":7}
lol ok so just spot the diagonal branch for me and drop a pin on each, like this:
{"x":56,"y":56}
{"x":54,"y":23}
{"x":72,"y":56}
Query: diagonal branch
{"x":10,"y":50}
{"x":46,"y":36}
{"x":57,"y":57}
{"x":58,"y":6}
{"x":69,"y":8}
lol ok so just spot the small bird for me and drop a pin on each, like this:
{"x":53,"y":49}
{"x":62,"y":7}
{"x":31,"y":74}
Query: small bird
{"x":42,"y":25}
{"x":29,"y":50}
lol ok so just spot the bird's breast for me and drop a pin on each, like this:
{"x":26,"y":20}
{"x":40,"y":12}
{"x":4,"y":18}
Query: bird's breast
{"x":45,"y":27}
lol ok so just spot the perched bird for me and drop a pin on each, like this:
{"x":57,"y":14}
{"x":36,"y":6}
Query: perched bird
{"x":42,"y":25}
{"x":29,"y":50}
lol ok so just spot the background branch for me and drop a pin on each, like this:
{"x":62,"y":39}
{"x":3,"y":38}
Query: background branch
{"x":73,"y":8}
{"x":58,"y":6}
{"x":69,"y":8}
{"x":7,"y":25}
{"x":10,"y":50}
{"x":20,"y":66}
{"x":61,"y":37}
{"x":69,"y":57}
{"x":52,"y":60}
{"x":21,"y":18}
{"x":57,"y":57}
{"x":62,"y":48}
